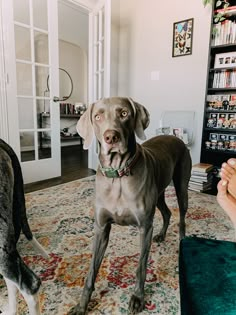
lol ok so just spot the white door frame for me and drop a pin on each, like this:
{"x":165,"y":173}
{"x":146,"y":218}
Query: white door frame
{"x":9,"y":114}
{"x":49,"y":167}
{"x":3,"y":100}
{"x":99,"y":62}
{"x":6,"y":110}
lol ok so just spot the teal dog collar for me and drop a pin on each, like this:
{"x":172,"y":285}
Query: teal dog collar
{"x":119,"y":172}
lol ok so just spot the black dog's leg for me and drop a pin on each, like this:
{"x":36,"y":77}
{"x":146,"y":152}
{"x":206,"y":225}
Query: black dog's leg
{"x":18,"y":275}
{"x":181,"y":178}
{"x":101,"y":239}
{"x":182,"y":197}
{"x":136,"y":304}
{"x":166,"y":214}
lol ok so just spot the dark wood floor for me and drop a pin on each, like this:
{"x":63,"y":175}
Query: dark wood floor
{"x":74,"y":165}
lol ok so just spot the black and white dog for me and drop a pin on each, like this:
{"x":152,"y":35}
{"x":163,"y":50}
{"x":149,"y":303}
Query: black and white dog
{"x":13,"y":220}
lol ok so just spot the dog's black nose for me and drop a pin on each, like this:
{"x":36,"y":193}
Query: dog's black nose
{"x":111,"y":136}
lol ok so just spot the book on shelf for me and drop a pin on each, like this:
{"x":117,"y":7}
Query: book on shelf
{"x":200,"y":186}
{"x":201,"y":179}
{"x":228,"y":10}
{"x":224,"y":79}
{"x":224,"y":33}
{"x":198,"y":189}
{"x":202,"y":168}
{"x":195,"y":174}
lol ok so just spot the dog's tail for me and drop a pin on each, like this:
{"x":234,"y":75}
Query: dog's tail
{"x":19,"y":209}
{"x":39,"y":248}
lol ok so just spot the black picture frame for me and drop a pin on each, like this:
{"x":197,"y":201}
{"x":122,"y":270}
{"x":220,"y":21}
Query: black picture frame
{"x":182,"y":38}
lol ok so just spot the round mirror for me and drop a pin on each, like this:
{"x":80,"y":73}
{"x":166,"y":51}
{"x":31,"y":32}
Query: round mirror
{"x":65,"y":85}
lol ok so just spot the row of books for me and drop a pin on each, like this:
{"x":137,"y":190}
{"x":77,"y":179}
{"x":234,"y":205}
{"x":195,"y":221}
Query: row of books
{"x":201,"y":177}
{"x":224,"y":79}
{"x":224,"y":33}
{"x":67,"y":109}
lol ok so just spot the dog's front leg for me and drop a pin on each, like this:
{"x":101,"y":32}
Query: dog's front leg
{"x":32,"y":301}
{"x":136,"y":304}
{"x":101,"y":239}
{"x":12,"y":298}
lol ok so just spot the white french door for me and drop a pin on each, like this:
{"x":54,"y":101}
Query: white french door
{"x":30,"y":29}
{"x":99,"y":60}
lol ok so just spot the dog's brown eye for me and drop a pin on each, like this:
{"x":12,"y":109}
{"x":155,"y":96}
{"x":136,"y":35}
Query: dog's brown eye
{"x":97,"y":117}
{"x":124,"y":113}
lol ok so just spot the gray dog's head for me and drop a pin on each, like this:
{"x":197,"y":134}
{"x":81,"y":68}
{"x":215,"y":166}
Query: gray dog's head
{"x":113,"y":121}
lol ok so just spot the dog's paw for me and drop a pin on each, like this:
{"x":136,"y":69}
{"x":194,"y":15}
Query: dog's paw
{"x":77,"y":310}
{"x":6,"y":311}
{"x":159,"y":238}
{"x":136,"y":305}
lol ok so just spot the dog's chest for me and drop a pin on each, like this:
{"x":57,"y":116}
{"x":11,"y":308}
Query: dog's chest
{"x":120,"y":203}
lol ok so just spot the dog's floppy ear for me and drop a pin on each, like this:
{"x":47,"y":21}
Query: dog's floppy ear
{"x":141,"y":119}
{"x":84,"y":127}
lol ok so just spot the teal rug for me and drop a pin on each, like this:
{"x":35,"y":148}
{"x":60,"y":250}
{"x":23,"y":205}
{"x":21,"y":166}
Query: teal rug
{"x":207,"y":276}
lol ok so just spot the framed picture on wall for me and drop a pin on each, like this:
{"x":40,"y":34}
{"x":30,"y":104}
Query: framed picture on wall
{"x":182,"y":38}
{"x":225,"y":60}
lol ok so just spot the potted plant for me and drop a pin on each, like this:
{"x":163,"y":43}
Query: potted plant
{"x":220,"y":15}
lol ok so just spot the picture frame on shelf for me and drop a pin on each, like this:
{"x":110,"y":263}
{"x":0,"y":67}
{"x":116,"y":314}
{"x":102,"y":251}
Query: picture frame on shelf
{"x":164,"y":131}
{"x":182,"y":38}
{"x":225,"y":60}
{"x":178,"y":132}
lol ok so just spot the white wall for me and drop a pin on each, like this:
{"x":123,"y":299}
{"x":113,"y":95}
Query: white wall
{"x":146,"y":31}
{"x":74,"y":60}
{"x":73,"y":25}
{"x":115,"y":35}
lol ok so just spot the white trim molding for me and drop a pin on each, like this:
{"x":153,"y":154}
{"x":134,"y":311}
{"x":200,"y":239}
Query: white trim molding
{"x":3,"y":91}
{"x":76,"y":5}
{"x":86,"y":5}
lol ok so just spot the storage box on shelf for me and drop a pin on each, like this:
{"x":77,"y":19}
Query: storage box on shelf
{"x":219,"y":126}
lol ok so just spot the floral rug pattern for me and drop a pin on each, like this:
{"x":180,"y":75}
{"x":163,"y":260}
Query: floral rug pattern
{"x":61,"y":218}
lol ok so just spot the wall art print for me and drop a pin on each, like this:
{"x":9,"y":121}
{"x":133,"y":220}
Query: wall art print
{"x":182,"y":38}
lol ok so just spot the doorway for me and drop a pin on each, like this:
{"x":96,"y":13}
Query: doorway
{"x":77,"y":24}
{"x":73,"y":98}
{"x":73,"y":24}
{"x":73,"y":64}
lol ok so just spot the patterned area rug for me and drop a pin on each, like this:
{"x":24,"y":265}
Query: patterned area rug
{"x":62,"y":220}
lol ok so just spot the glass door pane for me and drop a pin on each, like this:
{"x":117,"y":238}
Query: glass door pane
{"x":32,"y":71}
{"x":99,"y":65}
{"x":37,"y":68}
{"x":21,"y":11}
{"x":99,"y":54}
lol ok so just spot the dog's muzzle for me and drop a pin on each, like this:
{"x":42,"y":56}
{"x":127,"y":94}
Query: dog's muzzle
{"x":111,"y":136}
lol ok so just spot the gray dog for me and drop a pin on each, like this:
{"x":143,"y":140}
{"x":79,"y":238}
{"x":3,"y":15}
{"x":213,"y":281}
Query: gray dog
{"x":130,"y":183}
{"x":13,"y":220}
